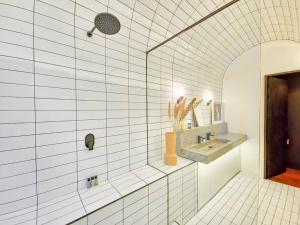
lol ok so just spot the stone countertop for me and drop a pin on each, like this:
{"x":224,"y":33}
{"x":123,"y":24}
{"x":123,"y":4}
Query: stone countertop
{"x":214,"y":153}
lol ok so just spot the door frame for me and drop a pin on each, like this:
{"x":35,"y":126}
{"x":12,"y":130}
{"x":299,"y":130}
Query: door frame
{"x":266,"y":112}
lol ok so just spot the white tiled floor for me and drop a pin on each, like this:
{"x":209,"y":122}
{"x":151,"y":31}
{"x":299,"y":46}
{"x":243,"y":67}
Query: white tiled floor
{"x":248,"y":200}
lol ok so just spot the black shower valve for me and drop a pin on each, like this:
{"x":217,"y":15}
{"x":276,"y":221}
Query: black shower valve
{"x":90,"y":141}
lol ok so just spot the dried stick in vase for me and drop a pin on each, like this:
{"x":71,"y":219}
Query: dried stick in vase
{"x":197,"y":103}
{"x":195,"y":121}
{"x":175,"y":111}
{"x":180,"y":110}
{"x":188,"y":108}
{"x":181,"y":106}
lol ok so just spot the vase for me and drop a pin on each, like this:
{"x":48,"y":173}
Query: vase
{"x":170,"y":156}
{"x":181,"y":125}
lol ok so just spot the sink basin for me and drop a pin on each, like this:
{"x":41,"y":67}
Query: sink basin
{"x":207,"y":146}
{"x":211,"y":150}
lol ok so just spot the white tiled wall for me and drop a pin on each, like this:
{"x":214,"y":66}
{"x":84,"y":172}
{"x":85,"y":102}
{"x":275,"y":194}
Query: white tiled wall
{"x":18,"y":168}
{"x":112,"y":214}
{"x":175,"y":197}
{"x":136,"y":207}
{"x":55,"y":100}
{"x":158,"y":198}
{"x":182,"y":204}
{"x":189,"y":191}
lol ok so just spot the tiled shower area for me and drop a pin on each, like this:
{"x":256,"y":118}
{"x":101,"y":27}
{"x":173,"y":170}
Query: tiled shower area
{"x":58,"y":85}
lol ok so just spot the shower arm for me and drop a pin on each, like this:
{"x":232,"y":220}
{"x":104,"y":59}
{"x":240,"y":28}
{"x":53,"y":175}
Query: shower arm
{"x":90,"y":33}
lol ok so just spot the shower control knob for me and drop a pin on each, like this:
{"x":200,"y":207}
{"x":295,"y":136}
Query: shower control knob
{"x":90,"y":141}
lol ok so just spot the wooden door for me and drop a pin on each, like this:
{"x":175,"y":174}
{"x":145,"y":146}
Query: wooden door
{"x":276,"y":130}
{"x":293,"y":152}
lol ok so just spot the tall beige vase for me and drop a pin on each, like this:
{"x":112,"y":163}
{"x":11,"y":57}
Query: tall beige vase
{"x":170,"y":154}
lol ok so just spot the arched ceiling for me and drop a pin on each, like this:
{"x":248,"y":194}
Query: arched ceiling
{"x":215,"y":43}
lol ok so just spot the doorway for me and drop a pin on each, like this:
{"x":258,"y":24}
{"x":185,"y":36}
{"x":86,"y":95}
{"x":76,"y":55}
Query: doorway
{"x":282,"y":134}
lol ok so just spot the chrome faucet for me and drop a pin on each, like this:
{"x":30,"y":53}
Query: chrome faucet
{"x":207,"y":138}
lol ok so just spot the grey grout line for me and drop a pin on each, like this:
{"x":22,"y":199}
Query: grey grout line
{"x":110,"y":216}
{"x":277,"y":201}
{"x":34,"y":210}
{"x":128,"y":68}
{"x":147,"y":111}
{"x":76,"y":98}
{"x":56,"y":209}
{"x":35,"y":115}
{"x":49,"y":221}
{"x":3,"y":204}
{"x":182,"y":191}
{"x":106,"y":104}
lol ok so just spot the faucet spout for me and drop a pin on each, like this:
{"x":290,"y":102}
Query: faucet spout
{"x":201,"y":139}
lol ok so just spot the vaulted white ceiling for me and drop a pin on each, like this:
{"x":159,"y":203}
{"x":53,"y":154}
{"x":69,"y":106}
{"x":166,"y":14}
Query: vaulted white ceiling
{"x":215,"y":43}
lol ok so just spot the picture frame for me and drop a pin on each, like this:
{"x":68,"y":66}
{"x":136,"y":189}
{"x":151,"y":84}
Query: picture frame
{"x":217,"y":112}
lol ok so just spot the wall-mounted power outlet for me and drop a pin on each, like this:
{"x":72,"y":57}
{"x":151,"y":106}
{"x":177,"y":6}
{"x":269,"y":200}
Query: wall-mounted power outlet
{"x":92,"y":181}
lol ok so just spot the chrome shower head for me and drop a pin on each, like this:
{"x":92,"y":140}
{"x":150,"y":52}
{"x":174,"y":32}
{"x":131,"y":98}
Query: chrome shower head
{"x":106,"y":23}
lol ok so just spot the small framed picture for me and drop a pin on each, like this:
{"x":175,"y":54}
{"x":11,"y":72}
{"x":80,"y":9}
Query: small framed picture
{"x":217,"y":112}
